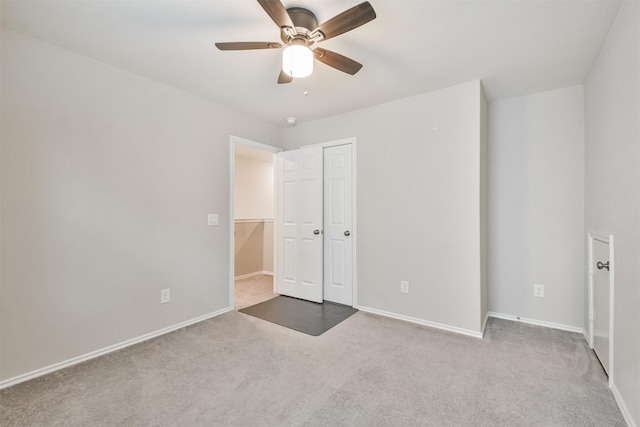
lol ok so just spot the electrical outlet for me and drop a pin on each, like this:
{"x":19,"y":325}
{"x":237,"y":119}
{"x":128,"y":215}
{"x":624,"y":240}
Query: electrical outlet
{"x":404,"y":286}
{"x":538,"y":291}
{"x":165,"y":296}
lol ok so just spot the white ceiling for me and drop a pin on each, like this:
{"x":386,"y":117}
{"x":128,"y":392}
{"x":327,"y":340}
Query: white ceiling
{"x":514,"y":46}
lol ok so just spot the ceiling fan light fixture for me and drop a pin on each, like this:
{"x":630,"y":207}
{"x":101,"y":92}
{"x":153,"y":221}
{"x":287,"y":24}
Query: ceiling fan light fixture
{"x":297,"y":61}
{"x":299,"y":29}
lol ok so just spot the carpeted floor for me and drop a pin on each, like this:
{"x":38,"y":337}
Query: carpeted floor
{"x":237,"y":370}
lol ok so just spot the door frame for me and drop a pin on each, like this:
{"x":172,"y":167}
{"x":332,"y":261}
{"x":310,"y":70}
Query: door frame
{"x":608,"y":239}
{"x":233,"y":141}
{"x":354,"y":230}
{"x":243,"y":141}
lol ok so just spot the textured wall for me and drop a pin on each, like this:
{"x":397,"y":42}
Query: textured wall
{"x":418,"y":202}
{"x":612,"y":119}
{"x":107,"y":179}
{"x":536,"y":205}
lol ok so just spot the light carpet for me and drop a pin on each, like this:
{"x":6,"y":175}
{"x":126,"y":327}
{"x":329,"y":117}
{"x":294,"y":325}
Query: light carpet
{"x":236,"y":370}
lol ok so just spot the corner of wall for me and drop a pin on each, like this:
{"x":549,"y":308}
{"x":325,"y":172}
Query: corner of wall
{"x":484,"y":248}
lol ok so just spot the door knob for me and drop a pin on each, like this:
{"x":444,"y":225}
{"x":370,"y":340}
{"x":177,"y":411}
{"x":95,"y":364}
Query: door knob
{"x":602,"y":265}
{"x":316,"y":232}
{"x":347,"y":233}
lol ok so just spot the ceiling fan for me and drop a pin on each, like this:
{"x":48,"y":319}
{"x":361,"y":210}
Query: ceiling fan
{"x":299,"y":31}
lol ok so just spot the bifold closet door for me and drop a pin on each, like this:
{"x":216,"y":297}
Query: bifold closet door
{"x":299,"y":210}
{"x":338,"y":224}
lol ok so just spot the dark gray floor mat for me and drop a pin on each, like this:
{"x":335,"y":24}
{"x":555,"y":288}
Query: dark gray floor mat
{"x":305,"y":316}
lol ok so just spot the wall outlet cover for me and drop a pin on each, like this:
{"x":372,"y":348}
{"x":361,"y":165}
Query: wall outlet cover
{"x":404,"y":286}
{"x":165,"y":296}
{"x":538,"y":291}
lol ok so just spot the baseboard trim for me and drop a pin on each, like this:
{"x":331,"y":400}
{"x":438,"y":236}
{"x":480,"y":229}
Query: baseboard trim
{"x":421,"y":322}
{"x":484,"y":323}
{"x":106,"y":350}
{"x":614,"y":390}
{"x":622,"y":405}
{"x":256,"y":273}
{"x":537,"y":322}
{"x":585,"y":333}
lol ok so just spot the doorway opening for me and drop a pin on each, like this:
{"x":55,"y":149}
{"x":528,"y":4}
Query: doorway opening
{"x":264,"y":260}
{"x":252,"y":216}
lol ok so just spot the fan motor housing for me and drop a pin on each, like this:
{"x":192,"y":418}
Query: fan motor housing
{"x":304,"y":20}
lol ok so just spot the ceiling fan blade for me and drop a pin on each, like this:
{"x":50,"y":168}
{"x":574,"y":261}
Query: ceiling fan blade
{"x":346,"y":21}
{"x":247,"y":45}
{"x":337,"y":61}
{"x":276,"y":10}
{"x":284,"y":78}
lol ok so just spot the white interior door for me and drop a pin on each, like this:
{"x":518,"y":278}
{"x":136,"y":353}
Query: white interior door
{"x":299,"y":264}
{"x":601,"y":303}
{"x":338,"y":224}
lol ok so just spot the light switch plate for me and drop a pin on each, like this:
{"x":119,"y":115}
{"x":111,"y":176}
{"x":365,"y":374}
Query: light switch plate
{"x":212,"y":219}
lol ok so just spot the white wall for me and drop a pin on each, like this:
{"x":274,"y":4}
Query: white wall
{"x":484,"y":207}
{"x":267,"y":247}
{"x":612,"y":118}
{"x":418,"y":202}
{"x":107,"y":179}
{"x":536,"y":205}
{"x":254,"y":195}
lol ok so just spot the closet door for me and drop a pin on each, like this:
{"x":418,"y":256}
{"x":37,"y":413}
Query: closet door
{"x":601,"y":291}
{"x":299,"y":211}
{"x":338,"y":222}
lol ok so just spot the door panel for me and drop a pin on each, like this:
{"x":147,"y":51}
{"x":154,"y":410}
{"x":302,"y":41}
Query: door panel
{"x":336,"y":200}
{"x":289,"y":201}
{"x":601,"y":307}
{"x":289,"y":252}
{"x":336,"y":257}
{"x":338,"y":207}
{"x":309,"y":263}
{"x":299,"y":213}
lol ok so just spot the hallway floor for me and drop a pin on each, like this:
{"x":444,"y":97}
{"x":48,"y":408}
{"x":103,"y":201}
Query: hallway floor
{"x":253,"y":290}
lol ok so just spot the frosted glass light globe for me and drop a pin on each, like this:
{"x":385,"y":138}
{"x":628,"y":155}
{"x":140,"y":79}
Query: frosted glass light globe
{"x":297,"y":61}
